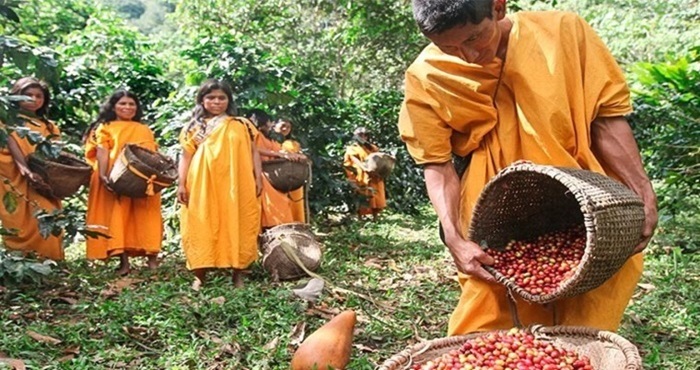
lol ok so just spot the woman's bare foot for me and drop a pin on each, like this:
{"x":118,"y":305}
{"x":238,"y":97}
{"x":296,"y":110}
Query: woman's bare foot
{"x":124,"y":266}
{"x":238,"y":279}
{"x":199,"y":278}
{"x":152,"y":262}
{"x":196,"y":284}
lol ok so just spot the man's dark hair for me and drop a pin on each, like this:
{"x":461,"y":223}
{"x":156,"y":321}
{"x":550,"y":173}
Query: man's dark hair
{"x":437,"y":16}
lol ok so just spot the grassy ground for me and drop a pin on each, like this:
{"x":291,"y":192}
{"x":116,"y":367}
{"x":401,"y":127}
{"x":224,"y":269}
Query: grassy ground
{"x":86,"y":318}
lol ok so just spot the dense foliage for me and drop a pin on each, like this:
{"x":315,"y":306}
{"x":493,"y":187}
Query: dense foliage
{"x":329,"y":66}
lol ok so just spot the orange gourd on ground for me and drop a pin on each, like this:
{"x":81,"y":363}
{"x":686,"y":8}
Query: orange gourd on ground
{"x":328,"y":347}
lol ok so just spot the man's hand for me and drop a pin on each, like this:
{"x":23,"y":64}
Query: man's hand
{"x":651,"y":218}
{"x":469,"y":258}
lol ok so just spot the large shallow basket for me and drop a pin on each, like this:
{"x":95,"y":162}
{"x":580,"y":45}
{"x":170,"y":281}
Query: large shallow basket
{"x":606,"y":350}
{"x":64,"y":175}
{"x":285,"y":175}
{"x":281,"y":240}
{"x":139,"y":172}
{"x":526,"y":200}
{"x":380,"y":163}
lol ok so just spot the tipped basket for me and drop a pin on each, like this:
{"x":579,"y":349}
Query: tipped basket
{"x":285,"y":247}
{"x":139,"y":172}
{"x":64,"y":175}
{"x":526,"y":200}
{"x":606,"y":350}
{"x":285,"y":175}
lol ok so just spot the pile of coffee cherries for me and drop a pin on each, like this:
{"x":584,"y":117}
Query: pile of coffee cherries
{"x":512,"y":350}
{"x":541,"y":265}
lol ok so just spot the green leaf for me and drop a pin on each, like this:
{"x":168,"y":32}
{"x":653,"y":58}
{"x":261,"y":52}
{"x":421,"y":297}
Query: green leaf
{"x":9,"y":200}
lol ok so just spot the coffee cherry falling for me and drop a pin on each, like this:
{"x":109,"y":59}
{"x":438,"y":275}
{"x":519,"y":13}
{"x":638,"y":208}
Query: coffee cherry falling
{"x":541,"y":265}
{"x":512,"y":350}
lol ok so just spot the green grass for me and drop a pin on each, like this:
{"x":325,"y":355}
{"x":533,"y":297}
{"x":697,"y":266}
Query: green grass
{"x":158,"y":322}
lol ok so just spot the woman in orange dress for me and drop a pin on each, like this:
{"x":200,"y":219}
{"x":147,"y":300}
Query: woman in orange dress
{"x":220,"y":181}
{"x":134,"y":225}
{"x":300,"y":202}
{"x":368,"y":186}
{"x":15,"y":175}
{"x":276,"y":206}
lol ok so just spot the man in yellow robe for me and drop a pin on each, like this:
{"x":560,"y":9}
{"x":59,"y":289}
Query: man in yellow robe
{"x":367,"y":184}
{"x":300,"y":202}
{"x":491,"y":90}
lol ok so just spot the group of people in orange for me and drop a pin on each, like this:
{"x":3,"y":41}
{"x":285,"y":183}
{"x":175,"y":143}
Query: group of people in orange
{"x":225,"y":199}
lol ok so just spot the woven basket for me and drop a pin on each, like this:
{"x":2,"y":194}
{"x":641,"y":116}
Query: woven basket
{"x":297,"y":238}
{"x":606,"y":350}
{"x":380,"y":163}
{"x":285,"y":175}
{"x":139,"y":172}
{"x":64,"y":175}
{"x":526,"y":200}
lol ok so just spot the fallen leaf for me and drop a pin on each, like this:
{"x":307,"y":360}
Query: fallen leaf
{"x":373,"y":262}
{"x":271,"y":345}
{"x":392,"y":265}
{"x":125,"y":282}
{"x":364,"y":348}
{"x":298,"y":333}
{"x":72,"y":350}
{"x":66,"y":358}
{"x":218,"y":300}
{"x":70,"y":301}
{"x":647,"y":287}
{"x":42,"y":338}
{"x":14,"y":363}
{"x":312,"y":291}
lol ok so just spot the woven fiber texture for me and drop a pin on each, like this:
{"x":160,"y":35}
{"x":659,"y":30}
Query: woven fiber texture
{"x":380,"y":164}
{"x":606,"y":350}
{"x":297,"y":238}
{"x":64,"y":175}
{"x":526,"y":200}
{"x":139,"y":172}
{"x":285,"y":175}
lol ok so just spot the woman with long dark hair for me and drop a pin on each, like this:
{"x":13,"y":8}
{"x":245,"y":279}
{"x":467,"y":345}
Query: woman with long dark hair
{"x":16,"y":176}
{"x":220,"y":180}
{"x":134,"y":225}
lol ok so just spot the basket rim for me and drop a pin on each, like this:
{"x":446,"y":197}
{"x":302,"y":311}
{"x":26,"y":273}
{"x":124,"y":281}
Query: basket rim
{"x":41,"y":159}
{"x":628,"y":349}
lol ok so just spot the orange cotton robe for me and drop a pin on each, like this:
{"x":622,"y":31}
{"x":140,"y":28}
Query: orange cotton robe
{"x":135,"y":225}
{"x":28,"y":238}
{"x":276,"y":206}
{"x":376,"y":196}
{"x":298,"y":198}
{"x":220,"y":225}
{"x":557,"y":78}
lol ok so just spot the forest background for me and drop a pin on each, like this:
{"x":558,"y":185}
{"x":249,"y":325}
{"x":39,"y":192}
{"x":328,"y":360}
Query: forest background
{"x":329,"y":66}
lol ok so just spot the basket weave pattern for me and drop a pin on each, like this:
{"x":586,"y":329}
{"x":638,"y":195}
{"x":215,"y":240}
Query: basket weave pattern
{"x":526,"y":200}
{"x":606,"y":350}
{"x":285,"y":175}
{"x":133,"y":164}
{"x":64,"y":175}
{"x":302,"y":243}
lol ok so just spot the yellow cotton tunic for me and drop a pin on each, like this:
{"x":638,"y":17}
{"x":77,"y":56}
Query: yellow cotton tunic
{"x":135,"y":225}
{"x":276,"y":207}
{"x":377,"y":195}
{"x":28,"y":238}
{"x":557,"y":78}
{"x":220,"y":225}
{"x":298,"y":198}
